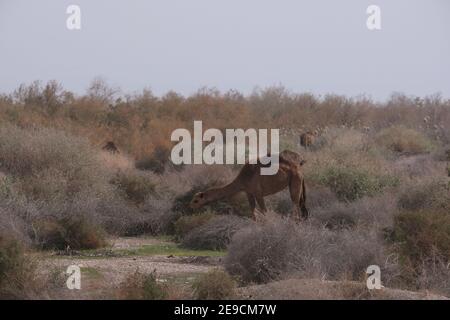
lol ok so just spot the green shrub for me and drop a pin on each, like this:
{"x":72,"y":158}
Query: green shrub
{"x":352,"y":183}
{"x":74,"y":232}
{"x":135,"y":186}
{"x":185,"y":224}
{"x":422,"y":236}
{"x":403,"y":140}
{"x":17,"y":272}
{"x":214,"y":285}
{"x":141,"y":286}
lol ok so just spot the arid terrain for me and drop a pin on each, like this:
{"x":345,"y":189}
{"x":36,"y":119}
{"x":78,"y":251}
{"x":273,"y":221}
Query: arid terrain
{"x":104,"y":270}
{"x":87,"y":180}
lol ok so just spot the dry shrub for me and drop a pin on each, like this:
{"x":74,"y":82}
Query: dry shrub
{"x":319,"y":196}
{"x":73,"y":232}
{"x":214,"y":285}
{"x":135,"y":186}
{"x":403,"y":140}
{"x":261,"y":253}
{"x":375,"y":211}
{"x":215,"y":234}
{"x":344,"y":140}
{"x":281,"y":203}
{"x":158,"y":161}
{"x":141,"y":286}
{"x":435,"y":276}
{"x":49,"y":173}
{"x":186,"y":224}
{"x":158,"y":213}
{"x":279,"y":248}
{"x":27,"y":153}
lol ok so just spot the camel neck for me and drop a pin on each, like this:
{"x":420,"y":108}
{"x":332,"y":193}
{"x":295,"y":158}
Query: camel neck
{"x":225,"y":191}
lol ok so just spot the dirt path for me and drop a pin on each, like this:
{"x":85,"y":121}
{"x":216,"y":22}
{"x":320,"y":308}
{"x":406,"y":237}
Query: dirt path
{"x":100,"y":275}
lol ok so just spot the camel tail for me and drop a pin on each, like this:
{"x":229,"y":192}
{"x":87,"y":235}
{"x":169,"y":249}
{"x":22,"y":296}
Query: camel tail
{"x":303,"y":208}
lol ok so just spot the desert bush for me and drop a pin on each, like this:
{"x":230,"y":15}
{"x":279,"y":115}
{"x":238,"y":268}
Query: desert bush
{"x":281,"y":203}
{"x":351,"y":183}
{"x":319,"y":196}
{"x":423,"y":195}
{"x":73,"y":232}
{"x":403,"y":140}
{"x":156,"y":162}
{"x":421,"y":236}
{"x":185,"y":224}
{"x":141,"y":286}
{"x":343,"y":140}
{"x":280,"y":249}
{"x":158,"y":212}
{"x":24,"y":152}
{"x":369,"y":211}
{"x":50,"y":166}
{"x":17,"y":271}
{"x":261,"y":254}
{"x":215,"y":234}
{"x":434,"y":276}
{"x":135,"y":186}
{"x":214,"y":285}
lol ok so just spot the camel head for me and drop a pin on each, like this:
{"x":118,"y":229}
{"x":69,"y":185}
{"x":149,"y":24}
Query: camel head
{"x":199,"y":200}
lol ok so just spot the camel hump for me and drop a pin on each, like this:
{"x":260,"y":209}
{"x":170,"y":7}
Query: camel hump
{"x":289,"y":156}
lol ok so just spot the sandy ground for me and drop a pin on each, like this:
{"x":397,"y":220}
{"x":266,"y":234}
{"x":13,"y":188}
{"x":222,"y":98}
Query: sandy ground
{"x":307,"y":289}
{"x":116,"y":269}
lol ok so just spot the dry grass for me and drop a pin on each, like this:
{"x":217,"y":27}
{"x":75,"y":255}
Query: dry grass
{"x":141,"y":286}
{"x":214,"y":285}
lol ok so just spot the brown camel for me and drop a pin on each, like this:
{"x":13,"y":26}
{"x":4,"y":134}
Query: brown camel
{"x":111,"y":147}
{"x":257,"y":186}
{"x":307,"y":139}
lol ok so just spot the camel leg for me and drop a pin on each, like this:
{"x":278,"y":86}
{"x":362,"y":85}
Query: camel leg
{"x":295,"y":191}
{"x":261,"y":203}
{"x":252,"y":202}
{"x":302,"y":202}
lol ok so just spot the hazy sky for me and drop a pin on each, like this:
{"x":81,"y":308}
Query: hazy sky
{"x":320,"y":46}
